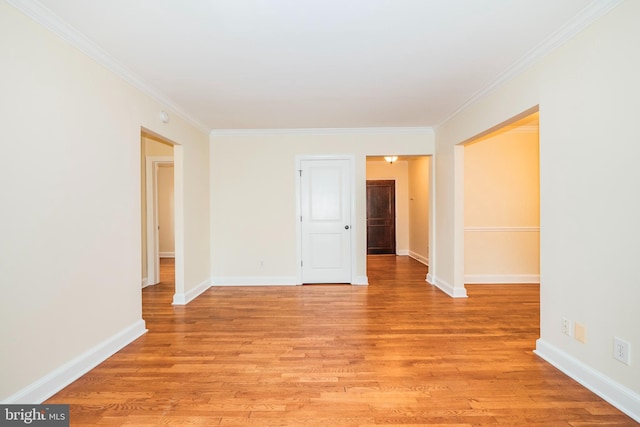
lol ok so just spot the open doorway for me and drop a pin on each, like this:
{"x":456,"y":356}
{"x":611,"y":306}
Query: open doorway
{"x":381,"y":217}
{"x":158,"y":213}
{"x":411,"y":176}
{"x":502,"y":205}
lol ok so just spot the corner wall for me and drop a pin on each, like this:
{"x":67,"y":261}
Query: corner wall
{"x":587,"y":92}
{"x":71,"y":233}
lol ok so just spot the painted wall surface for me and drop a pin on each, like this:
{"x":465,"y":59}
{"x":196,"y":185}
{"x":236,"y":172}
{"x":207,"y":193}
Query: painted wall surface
{"x":587,"y":92}
{"x":501,"y":208}
{"x":70,"y":253}
{"x":166,"y":210}
{"x":419,"y":177}
{"x":399,"y":172}
{"x":253,"y":182}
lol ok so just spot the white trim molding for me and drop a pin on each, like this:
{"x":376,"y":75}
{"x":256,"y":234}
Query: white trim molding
{"x":187,"y":297}
{"x":446,"y":287}
{"x":420,"y":258}
{"x":167,"y":254}
{"x":50,"y":384}
{"x":324,"y":131}
{"x":360,"y":281}
{"x":500,"y":279}
{"x":613,"y":392}
{"x":402,"y":252}
{"x":254,"y":281}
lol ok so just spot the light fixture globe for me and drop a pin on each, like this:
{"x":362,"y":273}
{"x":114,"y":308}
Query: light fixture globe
{"x":391,"y":159}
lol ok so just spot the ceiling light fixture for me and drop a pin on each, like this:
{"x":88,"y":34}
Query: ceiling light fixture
{"x":391,"y":159}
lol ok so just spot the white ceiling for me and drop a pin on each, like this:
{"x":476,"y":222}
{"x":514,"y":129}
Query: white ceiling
{"x":265,"y":64}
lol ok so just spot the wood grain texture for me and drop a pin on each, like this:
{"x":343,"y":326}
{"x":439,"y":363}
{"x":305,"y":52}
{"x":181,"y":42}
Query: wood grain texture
{"x":398,"y":352}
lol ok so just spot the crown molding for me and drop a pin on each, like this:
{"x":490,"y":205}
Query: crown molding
{"x":586,"y":17}
{"x":325,"y":131}
{"x":75,"y":38}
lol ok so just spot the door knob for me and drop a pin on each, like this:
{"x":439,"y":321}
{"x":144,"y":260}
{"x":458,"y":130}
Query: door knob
{"x":346,"y":227}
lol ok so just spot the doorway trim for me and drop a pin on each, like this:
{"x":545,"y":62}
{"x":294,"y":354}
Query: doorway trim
{"x":355,"y":280}
{"x":151,"y":182}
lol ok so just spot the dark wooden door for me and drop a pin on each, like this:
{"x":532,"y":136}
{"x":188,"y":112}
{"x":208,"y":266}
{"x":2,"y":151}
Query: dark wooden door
{"x":381,"y":217}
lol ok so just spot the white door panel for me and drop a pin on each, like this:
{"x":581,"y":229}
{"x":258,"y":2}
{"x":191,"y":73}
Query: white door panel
{"x":326,"y":215}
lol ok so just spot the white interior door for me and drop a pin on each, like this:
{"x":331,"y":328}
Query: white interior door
{"x":326,"y":221}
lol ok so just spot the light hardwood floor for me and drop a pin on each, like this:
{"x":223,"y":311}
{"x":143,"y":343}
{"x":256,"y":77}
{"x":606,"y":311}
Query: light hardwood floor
{"x":398,"y":352}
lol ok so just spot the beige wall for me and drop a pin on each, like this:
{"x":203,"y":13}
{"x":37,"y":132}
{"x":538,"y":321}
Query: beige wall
{"x":419,"y":183}
{"x":398,"y":172}
{"x":253,"y":212}
{"x":587,"y":92}
{"x":70,"y":254}
{"x":501,"y":208}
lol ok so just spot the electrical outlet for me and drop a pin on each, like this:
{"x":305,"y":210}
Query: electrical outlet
{"x":580,"y":332}
{"x":565,"y":327}
{"x":621,"y":350}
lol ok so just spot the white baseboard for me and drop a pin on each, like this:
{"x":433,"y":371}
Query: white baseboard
{"x":187,"y":297}
{"x":167,"y":254}
{"x":360,"y":280}
{"x":255,"y":281}
{"x":446,"y":287}
{"x":483,"y":279}
{"x":144,"y":282}
{"x":419,"y":258}
{"x":613,"y":392}
{"x":402,"y":252}
{"x":53,"y":382}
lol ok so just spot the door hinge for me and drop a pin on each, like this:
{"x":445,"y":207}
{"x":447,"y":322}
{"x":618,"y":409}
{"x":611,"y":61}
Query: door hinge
{"x":301,"y":264}
{"x":300,"y":172}
{"x":300,"y":218}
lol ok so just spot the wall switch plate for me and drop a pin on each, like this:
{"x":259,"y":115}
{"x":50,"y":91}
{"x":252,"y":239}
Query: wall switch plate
{"x":580,"y":332}
{"x":565,"y":327}
{"x":621,"y":350}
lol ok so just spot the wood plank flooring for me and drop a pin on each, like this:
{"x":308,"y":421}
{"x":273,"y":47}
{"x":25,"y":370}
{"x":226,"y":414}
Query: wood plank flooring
{"x":398,"y":352}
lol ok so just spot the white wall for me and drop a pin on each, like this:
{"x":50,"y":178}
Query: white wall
{"x":253,"y":212}
{"x":399,"y":172}
{"x":587,"y":92}
{"x":70,"y":253}
{"x":501,"y":208}
{"x":419,"y":184}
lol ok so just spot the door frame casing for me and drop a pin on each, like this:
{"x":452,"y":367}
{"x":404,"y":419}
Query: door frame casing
{"x":352,"y":207}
